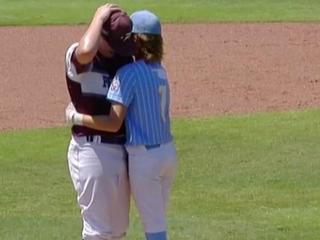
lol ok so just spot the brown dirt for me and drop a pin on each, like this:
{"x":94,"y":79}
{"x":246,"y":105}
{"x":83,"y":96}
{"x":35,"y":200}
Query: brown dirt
{"x":214,"y":69}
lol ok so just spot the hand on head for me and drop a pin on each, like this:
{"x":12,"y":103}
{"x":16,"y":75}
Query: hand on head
{"x":103,"y":12}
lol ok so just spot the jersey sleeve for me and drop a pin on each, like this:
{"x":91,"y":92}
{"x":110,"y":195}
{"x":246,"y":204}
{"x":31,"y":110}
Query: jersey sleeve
{"x":122,"y":87}
{"x":72,"y":66}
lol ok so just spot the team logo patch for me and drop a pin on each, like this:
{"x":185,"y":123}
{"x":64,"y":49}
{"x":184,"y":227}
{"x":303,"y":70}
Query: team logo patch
{"x":115,"y":85}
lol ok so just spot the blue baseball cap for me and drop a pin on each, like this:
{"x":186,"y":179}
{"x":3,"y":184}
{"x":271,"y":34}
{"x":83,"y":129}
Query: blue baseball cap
{"x":146,"y":22}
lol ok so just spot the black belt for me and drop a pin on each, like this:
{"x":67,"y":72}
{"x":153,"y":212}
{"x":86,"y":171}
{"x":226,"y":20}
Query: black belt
{"x":104,"y":139}
{"x":148,"y":147}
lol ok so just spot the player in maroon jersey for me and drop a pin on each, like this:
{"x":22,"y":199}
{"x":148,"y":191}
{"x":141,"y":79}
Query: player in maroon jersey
{"x":97,"y":160}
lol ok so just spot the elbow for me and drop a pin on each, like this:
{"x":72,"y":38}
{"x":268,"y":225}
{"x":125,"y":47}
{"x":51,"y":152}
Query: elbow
{"x":108,"y":126}
{"x":85,"y":53}
{"x":116,"y":117}
{"x":84,"y":56}
{"x":116,"y":127}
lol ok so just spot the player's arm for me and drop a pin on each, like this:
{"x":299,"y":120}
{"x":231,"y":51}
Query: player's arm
{"x":120,"y":94}
{"x":89,"y":43}
{"x":110,"y":123}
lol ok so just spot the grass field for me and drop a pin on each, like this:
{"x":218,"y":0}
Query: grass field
{"x":35,"y":12}
{"x":243,"y":178}
{"x":240,"y":177}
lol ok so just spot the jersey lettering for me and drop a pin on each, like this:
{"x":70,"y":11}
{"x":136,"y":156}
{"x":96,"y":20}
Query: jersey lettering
{"x":106,"y":81}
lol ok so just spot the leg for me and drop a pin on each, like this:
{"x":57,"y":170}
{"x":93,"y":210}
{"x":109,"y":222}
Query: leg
{"x":99,"y":175}
{"x":151,"y":175}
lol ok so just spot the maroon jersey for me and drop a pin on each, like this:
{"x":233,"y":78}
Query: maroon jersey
{"x":88,"y":87}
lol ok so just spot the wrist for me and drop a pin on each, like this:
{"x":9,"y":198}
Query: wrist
{"x":98,"y":19}
{"x":77,"y":119}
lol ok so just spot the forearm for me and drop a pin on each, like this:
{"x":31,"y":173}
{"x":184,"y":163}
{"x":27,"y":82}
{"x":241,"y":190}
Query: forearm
{"x":109,"y":123}
{"x":89,"y":43}
{"x":101,"y":122}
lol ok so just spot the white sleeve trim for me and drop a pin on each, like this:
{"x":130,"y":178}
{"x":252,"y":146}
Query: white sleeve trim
{"x":70,"y":68}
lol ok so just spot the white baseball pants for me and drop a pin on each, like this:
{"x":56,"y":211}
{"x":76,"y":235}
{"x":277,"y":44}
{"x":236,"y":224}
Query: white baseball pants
{"x":151,"y":174}
{"x":100,"y":178}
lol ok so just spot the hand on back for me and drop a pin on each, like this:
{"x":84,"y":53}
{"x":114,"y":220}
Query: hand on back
{"x":72,"y":116}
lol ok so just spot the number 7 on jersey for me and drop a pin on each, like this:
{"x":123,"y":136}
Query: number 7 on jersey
{"x":163,"y":101}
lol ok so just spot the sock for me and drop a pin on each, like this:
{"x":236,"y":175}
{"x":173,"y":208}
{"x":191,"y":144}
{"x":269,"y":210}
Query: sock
{"x":156,"y":236}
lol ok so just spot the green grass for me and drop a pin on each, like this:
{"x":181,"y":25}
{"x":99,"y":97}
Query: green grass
{"x":47,"y":12}
{"x":242,"y":178}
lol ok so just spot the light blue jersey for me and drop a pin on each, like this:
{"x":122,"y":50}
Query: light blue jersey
{"x":143,"y":88}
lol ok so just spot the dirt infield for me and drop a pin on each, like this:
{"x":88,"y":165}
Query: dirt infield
{"x":214,"y":69}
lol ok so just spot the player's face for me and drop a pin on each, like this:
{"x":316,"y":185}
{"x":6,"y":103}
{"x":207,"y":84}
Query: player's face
{"x":105,"y":49}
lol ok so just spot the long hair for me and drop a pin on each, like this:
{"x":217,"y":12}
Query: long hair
{"x":149,"y":47}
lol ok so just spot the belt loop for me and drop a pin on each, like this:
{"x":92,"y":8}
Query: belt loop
{"x":89,"y":138}
{"x":94,"y":138}
{"x":97,"y":139}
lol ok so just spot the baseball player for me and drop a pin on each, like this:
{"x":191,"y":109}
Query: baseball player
{"x":97,"y":160}
{"x":140,"y":95}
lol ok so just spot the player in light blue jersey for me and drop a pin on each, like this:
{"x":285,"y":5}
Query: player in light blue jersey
{"x":143,"y":89}
{"x":140,"y":96}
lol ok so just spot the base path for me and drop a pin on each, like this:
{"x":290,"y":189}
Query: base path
{"x":214,"y":69}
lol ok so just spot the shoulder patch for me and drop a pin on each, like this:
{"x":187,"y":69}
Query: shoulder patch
{"x":115,"y":85}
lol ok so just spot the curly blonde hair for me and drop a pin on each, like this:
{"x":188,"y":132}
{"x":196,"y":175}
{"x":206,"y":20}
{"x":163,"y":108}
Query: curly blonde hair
{"x":150,"y":47}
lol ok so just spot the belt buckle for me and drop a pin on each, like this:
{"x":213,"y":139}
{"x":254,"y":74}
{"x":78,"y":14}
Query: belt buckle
{"x":148,"y":147}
